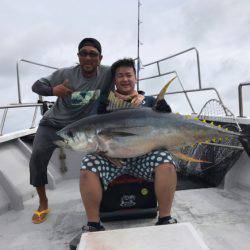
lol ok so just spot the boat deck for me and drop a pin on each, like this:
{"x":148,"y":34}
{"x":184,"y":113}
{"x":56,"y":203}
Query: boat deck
{"x":221,"y":218}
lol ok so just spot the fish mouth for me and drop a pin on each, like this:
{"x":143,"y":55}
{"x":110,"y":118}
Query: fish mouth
{"x":61,"y":141}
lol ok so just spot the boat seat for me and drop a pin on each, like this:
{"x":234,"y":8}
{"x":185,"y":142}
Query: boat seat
{"x":128,"y":197}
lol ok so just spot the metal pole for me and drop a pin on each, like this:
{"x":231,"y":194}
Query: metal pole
{"x":240,"y":97}
{"x":186,"y":95}
{"x":18,"y":82}
{"x":34,"y":118}
{"x":240,"y":100}
{"x":3,"y":121}
{"x":198,"y":67}
{"x":138,"y":43}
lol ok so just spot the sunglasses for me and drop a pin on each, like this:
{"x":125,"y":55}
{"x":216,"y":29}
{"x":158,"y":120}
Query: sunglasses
{"x":91,"y":54}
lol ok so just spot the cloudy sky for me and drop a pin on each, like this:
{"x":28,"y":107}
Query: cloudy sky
{"x":49,"y":32}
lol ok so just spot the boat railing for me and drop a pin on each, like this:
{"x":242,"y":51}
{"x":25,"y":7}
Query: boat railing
{"x":160,"y":74}
{"x":18,"y":64}
{"x":18,"y":105}
{"x":240,"y":86}
{"x":176,"y":55}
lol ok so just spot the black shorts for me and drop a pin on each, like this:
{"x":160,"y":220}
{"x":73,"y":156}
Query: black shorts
{"x":140,"y":167}
{"x":43,"y":147}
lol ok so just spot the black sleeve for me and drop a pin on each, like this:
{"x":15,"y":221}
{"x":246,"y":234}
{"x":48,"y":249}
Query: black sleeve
{"x":42,"y":89}
{"x":162,"y":106}
{"x":102,"y":108}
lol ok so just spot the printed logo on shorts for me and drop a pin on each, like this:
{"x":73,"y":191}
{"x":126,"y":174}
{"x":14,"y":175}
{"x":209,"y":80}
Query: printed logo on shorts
{"x":128,"y":201}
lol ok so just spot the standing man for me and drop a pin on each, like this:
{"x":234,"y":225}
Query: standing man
{"x":78,"y":90}
{"x":97,"y":171}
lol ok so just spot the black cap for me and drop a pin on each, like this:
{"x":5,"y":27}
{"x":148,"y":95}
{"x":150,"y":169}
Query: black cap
{"x":92,"y":42}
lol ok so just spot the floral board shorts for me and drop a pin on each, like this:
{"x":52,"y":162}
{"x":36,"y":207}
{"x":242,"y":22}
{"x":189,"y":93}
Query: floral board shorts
{"x":139,"y":167}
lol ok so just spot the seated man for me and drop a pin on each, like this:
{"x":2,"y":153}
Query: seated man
{"x":98,"y":171}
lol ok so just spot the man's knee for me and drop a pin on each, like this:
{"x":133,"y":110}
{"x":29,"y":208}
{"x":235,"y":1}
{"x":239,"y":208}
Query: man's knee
{"x":86,"y":175}
{"x":166,"y":168}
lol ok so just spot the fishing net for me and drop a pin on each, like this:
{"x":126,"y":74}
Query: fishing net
{"x":220,"y":155}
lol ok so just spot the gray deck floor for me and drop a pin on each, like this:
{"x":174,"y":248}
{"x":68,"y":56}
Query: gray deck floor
{"x":222,"y":219}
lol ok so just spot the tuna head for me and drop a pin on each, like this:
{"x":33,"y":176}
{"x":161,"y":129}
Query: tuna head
{"x":83,"y":140}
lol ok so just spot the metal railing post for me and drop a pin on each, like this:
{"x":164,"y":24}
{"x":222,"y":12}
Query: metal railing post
{"x":34,"y":118}
{"x":3,"y":121}
{"x":18,"y":82}
{"x":241,"y":98}
{"x":198,"y":67}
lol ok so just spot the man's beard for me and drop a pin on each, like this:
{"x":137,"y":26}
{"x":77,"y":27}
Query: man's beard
{"x":89,"y":70}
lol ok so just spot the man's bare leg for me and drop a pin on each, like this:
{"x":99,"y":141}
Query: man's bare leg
{"x":91,"y":192}
{"x":165,"y":185}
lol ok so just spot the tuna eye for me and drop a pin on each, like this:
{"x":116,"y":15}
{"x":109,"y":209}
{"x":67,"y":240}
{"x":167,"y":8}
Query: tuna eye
{"x":70,"y":134}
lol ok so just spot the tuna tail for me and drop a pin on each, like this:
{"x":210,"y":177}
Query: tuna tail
{"x":245,"y":141}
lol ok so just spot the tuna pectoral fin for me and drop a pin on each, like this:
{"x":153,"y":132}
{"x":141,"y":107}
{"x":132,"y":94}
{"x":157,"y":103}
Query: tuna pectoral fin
{"x":109,"y":133}
{"x":245,"y":141}
{"x":163,"y":90}
{"x":186,"y":157}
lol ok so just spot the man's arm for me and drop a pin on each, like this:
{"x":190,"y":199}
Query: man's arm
{"x":44,"y":88}
{"x":163,"y":106}
{"x":102,"y":107}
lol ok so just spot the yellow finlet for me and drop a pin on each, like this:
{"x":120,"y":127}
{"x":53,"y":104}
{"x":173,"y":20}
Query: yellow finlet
{"x":164,"y":89}
{"x":204,"y":121}
{"x":196,"y":118}
{"x":219,"y":126}
{"x":186,"y":157}
{"x":214,"y":139}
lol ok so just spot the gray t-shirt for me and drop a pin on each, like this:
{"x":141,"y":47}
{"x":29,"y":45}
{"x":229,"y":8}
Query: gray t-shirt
{"x":81,"y":103}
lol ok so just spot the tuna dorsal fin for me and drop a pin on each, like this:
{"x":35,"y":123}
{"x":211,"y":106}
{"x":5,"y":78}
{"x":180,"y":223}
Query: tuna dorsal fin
{"x":186,"y":157}
{"x":164,"y":90}
{"x":116,"y":103}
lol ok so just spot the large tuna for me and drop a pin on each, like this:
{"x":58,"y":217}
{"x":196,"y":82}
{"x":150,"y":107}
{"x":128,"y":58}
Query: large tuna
{"x":134,"y":132}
